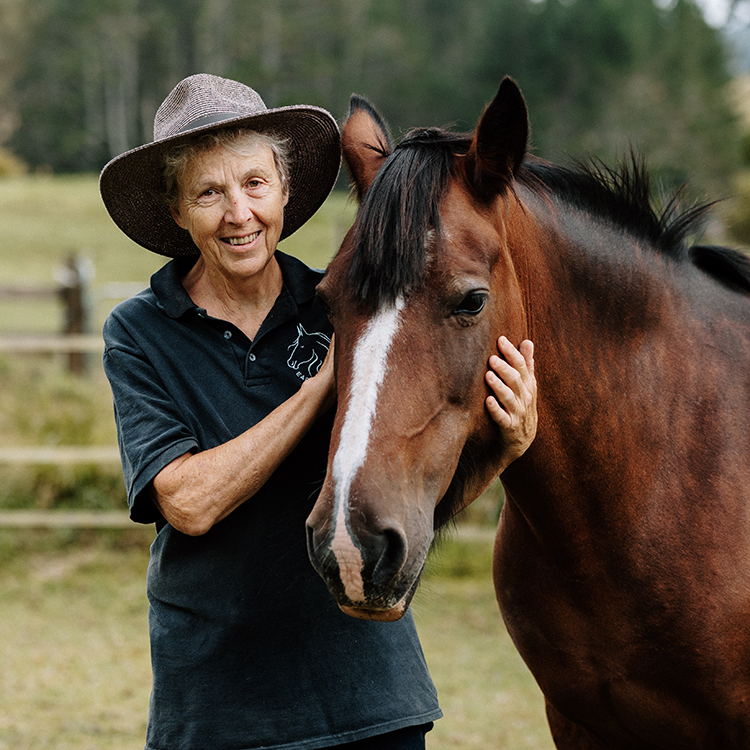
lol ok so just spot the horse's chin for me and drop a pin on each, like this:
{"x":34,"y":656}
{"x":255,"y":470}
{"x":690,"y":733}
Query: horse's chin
{"x":378,"y":615}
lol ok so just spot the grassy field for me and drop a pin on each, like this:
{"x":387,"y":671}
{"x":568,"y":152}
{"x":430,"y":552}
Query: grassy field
{"x":74,"y":662}
{"x":75,"y":669}
{"x":45,"y":219}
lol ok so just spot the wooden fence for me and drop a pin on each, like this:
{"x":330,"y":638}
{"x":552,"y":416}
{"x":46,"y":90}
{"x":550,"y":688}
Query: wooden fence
{"x":64,"y":519}
{"x":77,"y":295}
{"x":73,"y":292}
{"x":57,"y":519}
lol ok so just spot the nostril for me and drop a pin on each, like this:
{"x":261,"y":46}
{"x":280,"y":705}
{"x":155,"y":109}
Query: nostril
{"x":317,"y":550}
{"x":391,"y":556}
{"x":310,"y":535}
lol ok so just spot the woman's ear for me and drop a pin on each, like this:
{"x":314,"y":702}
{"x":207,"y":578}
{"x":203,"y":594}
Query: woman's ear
{"x":177,"y":216}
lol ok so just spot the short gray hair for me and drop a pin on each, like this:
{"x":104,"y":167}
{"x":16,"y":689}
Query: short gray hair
{"x":237,"y":140}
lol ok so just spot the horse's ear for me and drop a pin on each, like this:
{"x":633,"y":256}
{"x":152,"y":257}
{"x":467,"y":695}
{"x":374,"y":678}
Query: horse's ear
{"x":365,"y":142}
{"x":499,"y":143}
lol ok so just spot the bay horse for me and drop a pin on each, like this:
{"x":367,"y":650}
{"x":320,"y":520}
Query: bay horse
{"x":622,"y":556}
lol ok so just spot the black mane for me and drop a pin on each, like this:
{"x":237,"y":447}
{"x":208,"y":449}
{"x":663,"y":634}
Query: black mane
{"x":622,"y":196}
{"x":402,"y":205}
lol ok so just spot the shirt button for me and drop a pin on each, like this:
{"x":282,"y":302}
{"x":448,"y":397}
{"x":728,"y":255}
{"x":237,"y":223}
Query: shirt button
{"x":251,"y":357}
{"x":227,"y":334}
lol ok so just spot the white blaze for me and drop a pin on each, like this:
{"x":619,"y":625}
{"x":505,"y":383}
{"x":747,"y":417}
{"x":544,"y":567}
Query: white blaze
{"x":368,"y":370}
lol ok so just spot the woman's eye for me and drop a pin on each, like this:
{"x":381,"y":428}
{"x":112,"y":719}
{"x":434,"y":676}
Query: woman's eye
{"x":471,"y":304}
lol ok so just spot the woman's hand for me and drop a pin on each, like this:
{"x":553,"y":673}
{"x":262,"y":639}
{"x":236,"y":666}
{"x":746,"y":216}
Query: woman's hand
{"x":325,"y":379}
{"x":512,"y":404}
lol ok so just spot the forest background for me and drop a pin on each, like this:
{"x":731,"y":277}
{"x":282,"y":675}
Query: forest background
{"x":80,"y":80}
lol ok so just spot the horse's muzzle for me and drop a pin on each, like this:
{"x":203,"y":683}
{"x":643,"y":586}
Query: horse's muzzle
{"x":369,"y":574}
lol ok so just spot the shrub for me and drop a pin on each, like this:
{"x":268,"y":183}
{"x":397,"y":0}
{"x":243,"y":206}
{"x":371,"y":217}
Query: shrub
{"x":42,"y":404}
{"x":11,"y":165}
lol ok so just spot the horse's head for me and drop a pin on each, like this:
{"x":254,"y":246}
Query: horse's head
{"x":418,"y":293}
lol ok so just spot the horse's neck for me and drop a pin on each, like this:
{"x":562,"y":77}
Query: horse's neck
{"x":596,"y":313}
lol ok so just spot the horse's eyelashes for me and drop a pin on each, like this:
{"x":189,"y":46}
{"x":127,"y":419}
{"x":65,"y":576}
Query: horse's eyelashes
{"x":472,"y":304}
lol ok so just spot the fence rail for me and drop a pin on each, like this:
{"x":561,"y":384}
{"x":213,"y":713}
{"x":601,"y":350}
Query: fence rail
{"x":66,"y":344}
{"x":77,"y":295}
{"x":75,"y":292}
{"x":64,"y":519}
{"x":61,"y":455}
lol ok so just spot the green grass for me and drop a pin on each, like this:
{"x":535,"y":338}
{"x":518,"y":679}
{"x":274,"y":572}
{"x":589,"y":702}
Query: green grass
{"x":488,"y":696}
{"x":74,"y":651}
{"x":75,"y":672}
{"x":45,"y":219}
{"x":75,"y":662}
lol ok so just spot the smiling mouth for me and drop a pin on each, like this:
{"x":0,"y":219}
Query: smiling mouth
{"x":246,"y":240}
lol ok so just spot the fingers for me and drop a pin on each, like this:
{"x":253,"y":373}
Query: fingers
{"x":512,"y":375}
{"x":512,"y":403}
{"x":331,"y":347}
{"x":325,"y":378}
{"x":520,"y":360}
{"x":327,"y":366}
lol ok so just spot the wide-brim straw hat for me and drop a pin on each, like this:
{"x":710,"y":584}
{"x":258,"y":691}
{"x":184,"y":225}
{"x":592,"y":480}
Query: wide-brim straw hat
{"x":132,"y":184}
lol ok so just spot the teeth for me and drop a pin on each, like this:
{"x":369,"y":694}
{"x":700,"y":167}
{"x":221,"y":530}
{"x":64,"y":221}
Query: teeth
{"x":243,"y":240}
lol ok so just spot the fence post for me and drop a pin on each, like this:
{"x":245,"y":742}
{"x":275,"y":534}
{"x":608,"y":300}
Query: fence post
{"x":75,"y":277}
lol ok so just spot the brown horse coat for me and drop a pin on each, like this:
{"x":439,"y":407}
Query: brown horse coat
{"x":622,"y":560}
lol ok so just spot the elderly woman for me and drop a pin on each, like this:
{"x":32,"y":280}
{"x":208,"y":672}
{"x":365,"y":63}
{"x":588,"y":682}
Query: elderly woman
{"x":223,"y":429}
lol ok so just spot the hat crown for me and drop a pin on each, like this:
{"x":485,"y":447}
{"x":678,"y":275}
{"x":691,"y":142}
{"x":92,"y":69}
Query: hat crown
{"x":200,"y":97}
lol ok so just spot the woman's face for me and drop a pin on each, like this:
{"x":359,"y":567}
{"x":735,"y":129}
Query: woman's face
{"x":233,"y":207}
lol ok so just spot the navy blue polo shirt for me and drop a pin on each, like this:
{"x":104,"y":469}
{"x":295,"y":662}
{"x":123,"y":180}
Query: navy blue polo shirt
{"x":248,"y":648}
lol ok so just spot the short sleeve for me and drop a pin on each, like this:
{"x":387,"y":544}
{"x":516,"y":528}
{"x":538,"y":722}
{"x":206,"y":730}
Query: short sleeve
{"x":151,"y":430}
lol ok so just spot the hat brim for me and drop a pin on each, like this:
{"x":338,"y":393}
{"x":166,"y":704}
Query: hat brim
{"x":132,"y":184}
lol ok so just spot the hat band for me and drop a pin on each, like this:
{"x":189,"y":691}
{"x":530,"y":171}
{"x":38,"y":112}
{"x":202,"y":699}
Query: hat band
{"x":209,"y":120}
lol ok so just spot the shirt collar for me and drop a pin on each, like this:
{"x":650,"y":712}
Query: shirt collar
{"x":166,"y":283}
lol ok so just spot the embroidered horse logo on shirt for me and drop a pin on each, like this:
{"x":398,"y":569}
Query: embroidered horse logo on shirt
{"x":307,"y":352}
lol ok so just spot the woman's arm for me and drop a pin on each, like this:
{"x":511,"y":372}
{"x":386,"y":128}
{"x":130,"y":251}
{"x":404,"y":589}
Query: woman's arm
{"x":197,"y":490}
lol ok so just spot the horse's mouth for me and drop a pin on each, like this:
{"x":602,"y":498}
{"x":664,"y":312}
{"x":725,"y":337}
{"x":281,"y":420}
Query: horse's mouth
{"x":381,"y":610}
{"x":378,"y":615}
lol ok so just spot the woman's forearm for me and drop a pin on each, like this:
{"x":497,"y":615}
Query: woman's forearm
{"x":197,"y":490}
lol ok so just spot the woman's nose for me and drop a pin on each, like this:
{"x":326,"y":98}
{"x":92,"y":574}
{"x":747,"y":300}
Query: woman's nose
{"x":238,"y":209}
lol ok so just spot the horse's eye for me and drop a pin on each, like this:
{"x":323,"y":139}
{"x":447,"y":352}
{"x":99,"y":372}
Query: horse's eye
{"x":471,"y":304}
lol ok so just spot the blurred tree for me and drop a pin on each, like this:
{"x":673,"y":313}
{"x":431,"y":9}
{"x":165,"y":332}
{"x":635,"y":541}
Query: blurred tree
{"x":14,"y":28}
{"x":88,"y":75}
{"x":600,"y":79}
